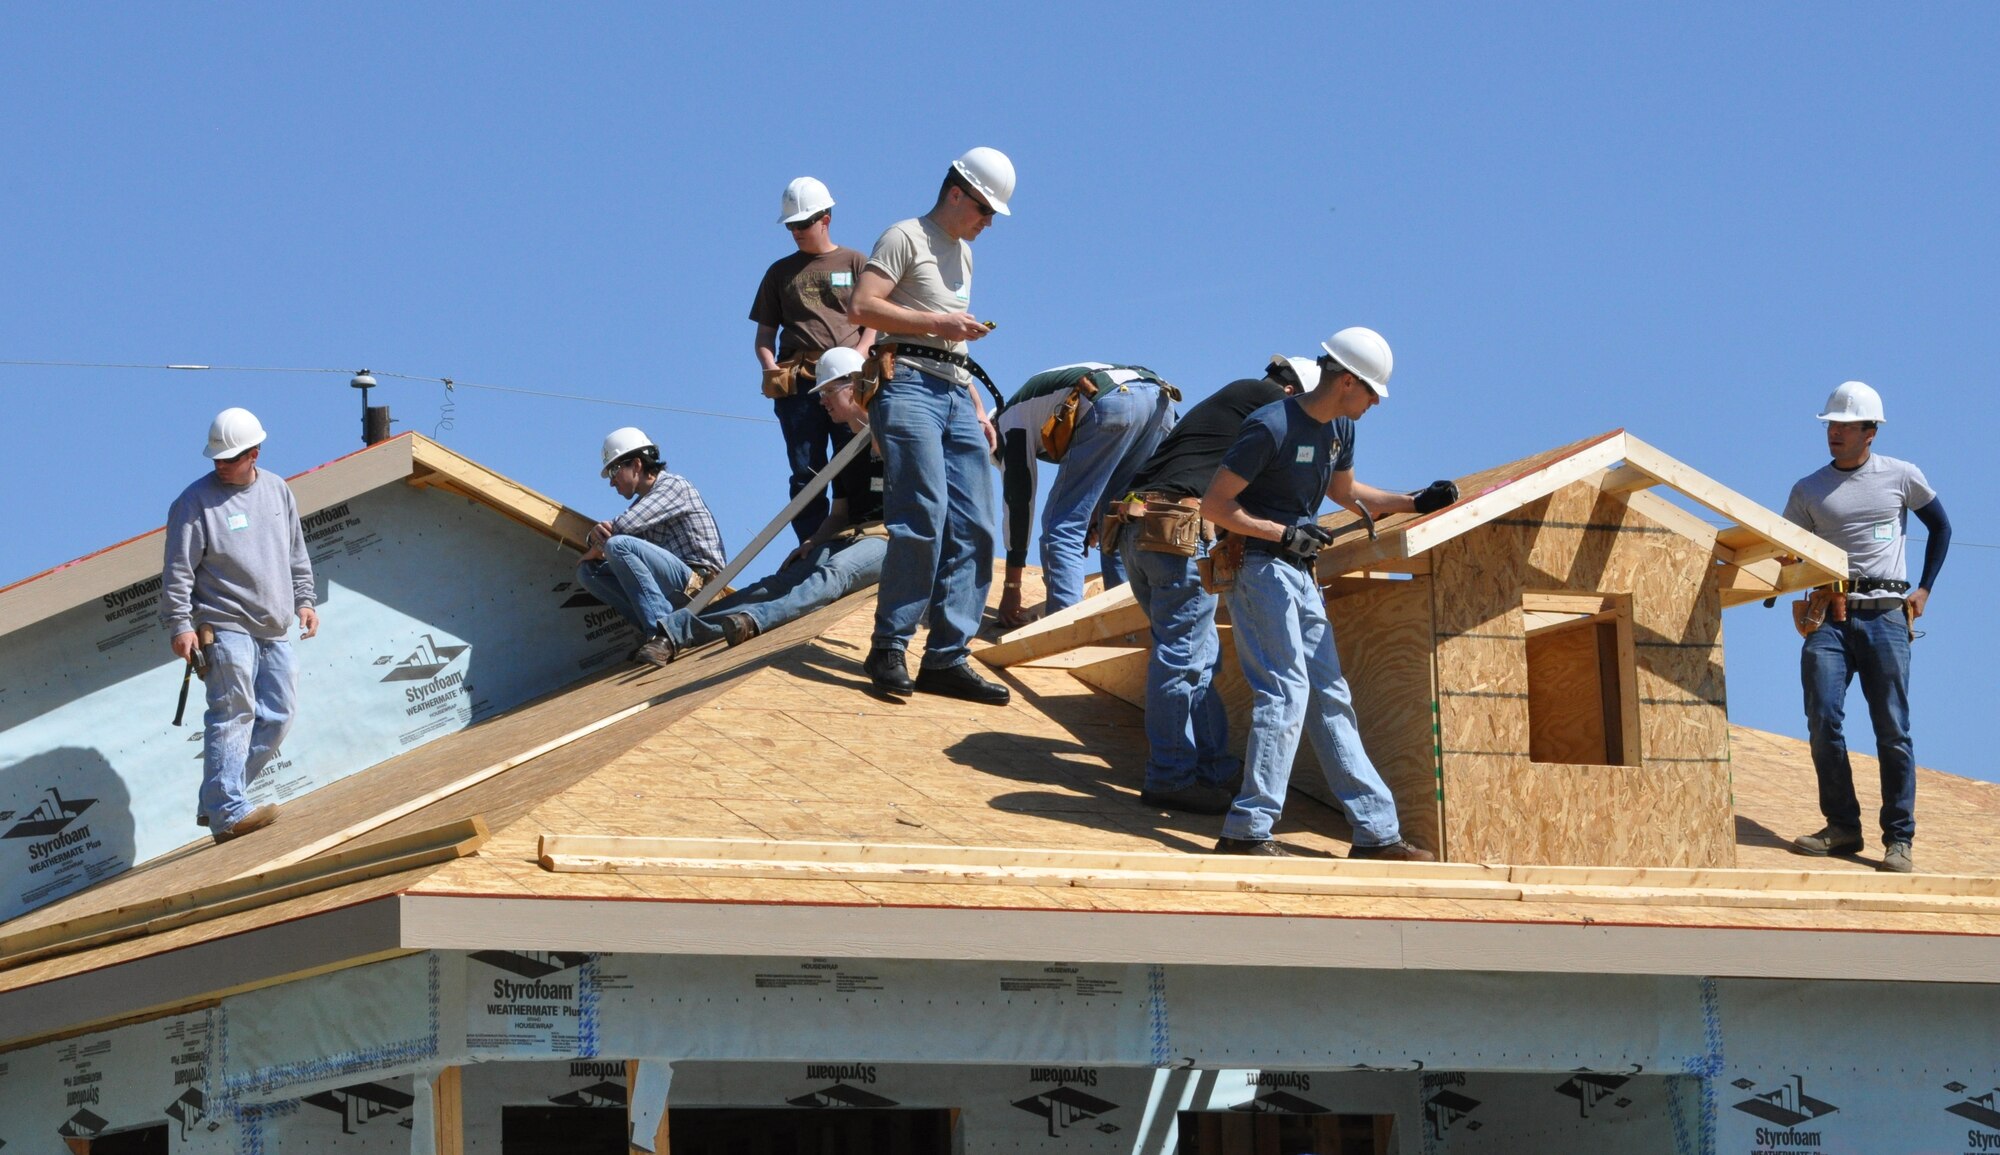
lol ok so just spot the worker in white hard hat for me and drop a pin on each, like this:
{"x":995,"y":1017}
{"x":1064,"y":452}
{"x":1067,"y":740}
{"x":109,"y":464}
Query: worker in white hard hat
{"x":1158,"y":532}
{"x":1862,"y":627}
{"x":801,"y":311}
{"x":237,"y":575}
{"x":1097,"y":422}
{"x":935,"y":434}
{"x":842,"y":556}
{"x":653,"y":558}
{"x":1289,"y":455}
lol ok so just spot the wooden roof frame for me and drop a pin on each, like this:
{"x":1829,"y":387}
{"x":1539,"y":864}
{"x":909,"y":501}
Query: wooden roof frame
{"x":1761,"y":554}
{"x":408,"y":457}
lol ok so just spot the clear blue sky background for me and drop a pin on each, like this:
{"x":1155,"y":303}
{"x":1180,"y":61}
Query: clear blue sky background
{"x":1691,"y":221}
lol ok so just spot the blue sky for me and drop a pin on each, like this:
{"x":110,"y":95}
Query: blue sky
{"x":1690,"y":221}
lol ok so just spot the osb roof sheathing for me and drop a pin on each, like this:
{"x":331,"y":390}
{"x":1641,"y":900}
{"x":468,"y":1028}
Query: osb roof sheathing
{"x":778,"y":739}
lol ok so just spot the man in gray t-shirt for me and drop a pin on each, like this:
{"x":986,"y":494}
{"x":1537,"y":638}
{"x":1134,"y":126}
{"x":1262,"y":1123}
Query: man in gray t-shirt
{"x":236,"y":573}
{"x":1861,"y":502}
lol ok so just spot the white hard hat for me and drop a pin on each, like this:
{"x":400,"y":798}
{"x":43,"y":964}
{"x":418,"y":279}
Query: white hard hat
{"x":622,"y":443}
{"x":1304,"y":368}
{"x":804,"y":197}
{"x":1853,"y":401}
{"x":232,"y":432}
{"x":1363,"y":353}
{"x":834,"y":364}
{"x":990,"y":172}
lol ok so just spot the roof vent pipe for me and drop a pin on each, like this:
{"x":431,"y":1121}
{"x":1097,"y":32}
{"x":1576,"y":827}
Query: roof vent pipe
{"x":375,"y":419}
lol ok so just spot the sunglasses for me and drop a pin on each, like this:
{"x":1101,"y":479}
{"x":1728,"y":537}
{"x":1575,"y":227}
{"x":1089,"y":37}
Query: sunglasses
{"x":802,"y":226}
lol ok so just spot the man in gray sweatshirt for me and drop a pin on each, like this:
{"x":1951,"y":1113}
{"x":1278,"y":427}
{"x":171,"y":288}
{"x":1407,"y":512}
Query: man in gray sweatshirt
{"x":237,"y":568}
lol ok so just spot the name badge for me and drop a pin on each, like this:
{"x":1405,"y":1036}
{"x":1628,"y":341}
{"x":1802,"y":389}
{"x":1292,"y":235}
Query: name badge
{"x":1305,"y":456}
{"x":843,"y":280}
{"x":874,"y":485}
{"x":963,"y":293}
{"x":1885,"y":531}
{"x":239,"y":521}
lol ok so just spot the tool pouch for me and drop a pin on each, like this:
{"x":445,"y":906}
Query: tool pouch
{"x":1218,"y":570}
{"x":881,"y":366}
{"x":784,"y":380}
{"x":204,"y":637}
{"x":1809,"y":612}
{"x":1060,"y":428}
{"x":1171,"y":527}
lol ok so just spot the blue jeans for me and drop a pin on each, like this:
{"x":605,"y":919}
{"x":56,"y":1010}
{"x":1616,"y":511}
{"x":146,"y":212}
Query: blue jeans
{"x":808,"y":431}
{"x":937,"y":502}
{"x":1874,"y":644}
{"x":252,"y":691}
{"x":1187,"y":730}
{"x":1286,"y":647}
{"x":638,"y":579}
{"x":1123,"y":428}
{"x":830,"y":572}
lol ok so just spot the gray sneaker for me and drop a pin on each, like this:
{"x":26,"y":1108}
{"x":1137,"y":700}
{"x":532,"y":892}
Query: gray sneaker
{"x":1896,"y":859}
{"x":1829,"y":840}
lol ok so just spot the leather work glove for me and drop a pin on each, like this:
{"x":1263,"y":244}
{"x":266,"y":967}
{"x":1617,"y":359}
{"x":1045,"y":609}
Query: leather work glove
{"x":1436,"y":496}
{"x":1303,"y":542}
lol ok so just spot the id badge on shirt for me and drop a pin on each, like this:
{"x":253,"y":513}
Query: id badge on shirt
{"x":843,"y":280}
{"x":1885,"y":531}
{"x":1305,"y":455}
{"x":238,"y":521}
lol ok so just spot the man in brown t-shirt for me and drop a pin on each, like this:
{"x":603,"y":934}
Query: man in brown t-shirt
{"x":801,"y":312}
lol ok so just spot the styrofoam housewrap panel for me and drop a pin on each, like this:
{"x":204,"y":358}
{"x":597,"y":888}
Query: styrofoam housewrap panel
{"x":365,"y":1117}
{"x":368,"y":1022}
{"x":1573,"y":1113}
{"x":1625,"y":1024}
{"x":435,"y":612}
{"x":1832,"y":1068}
{"x":144,"y":1074}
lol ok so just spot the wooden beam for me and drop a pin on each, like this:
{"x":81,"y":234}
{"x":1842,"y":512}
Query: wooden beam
{"x":1109,"y":615}
{"x":1467,"y":515}
{"x":1753,"y":517}
{"x":423,"y":848}
{"x":434,"y":463}
{"x":1658,"y":509}
{"x":1625,"y":479}
{"x":448,"y":1111}
{"x":1362,"y":555}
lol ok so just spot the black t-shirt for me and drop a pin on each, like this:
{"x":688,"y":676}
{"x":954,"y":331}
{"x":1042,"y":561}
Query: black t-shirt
{"x":860,"y":485}
{"x":1187,"y":460}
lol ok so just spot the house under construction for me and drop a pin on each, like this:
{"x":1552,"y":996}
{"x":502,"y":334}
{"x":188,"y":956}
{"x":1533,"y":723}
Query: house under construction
{"x":528,"y":898}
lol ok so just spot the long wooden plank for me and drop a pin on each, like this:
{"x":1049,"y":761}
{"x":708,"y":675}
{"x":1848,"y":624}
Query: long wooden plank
{"x":448,"y":1112}
{"x":1466,"y":515}
{"x":1706,"y":491}
{"x":422,"y":848}
{"x":509,"y":497}
{"x":1111,"y":614}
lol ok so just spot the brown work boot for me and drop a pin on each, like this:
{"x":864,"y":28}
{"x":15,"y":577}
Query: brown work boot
{"x":1829,"y":840}
{"x":1397,"y":851}
{"x":661,"y":651}
{"x":255,"y":818}
{"x":739,"y":628}
{"x":1253,"y":847}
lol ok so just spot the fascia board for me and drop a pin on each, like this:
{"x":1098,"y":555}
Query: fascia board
{"x":1469,"y":515}
{"x":1766,"y":524}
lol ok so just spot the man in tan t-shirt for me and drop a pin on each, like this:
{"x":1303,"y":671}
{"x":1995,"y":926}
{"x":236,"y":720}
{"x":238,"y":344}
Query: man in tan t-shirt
{"x":801,"y":312}
{"x":935,"y":436}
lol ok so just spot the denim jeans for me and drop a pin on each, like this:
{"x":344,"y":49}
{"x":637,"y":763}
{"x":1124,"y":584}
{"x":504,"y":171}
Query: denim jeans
{"x":1286,"y":647}
{"x":1123,"y":428}
{"x":937,"y":502}
{"x":252,"y":688}
{"x":1874,"y":644}
{"x":1187,"y":730}
{"x":638,"y":579}
{"x":808,"y":431}
{"x":830,"y":572}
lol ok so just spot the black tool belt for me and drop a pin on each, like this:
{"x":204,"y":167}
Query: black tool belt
{"x":947,"y":357}
{"x":1868,"y":586}
{"x":1277,"y":550}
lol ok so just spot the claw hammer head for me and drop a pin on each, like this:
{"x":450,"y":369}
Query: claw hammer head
{"x":1367,"y":519}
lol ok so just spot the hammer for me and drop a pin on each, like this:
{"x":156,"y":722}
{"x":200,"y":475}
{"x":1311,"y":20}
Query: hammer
{"x":198,"y":658}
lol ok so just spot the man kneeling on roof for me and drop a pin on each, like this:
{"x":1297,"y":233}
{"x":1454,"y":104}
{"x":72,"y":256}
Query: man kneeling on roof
{"x":1267,"y":493}
{"x":843,"y":555}
{"x":657,"y":555}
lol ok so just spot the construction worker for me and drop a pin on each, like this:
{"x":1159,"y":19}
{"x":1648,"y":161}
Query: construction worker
{"x":934,"y":433}
{"x":1188,"y":763}
{"x":655,"y":556}
{"x":1097,"y":422}
{"x":801,"y":312}
{"x":843,"y":555}
{"x":236,"y":575}
{"x":1268,"y":489}
{"x":1861,"y":502}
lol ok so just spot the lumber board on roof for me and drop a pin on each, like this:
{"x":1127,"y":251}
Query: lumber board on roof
{"x":1081,"y":656}
{"x":424,"y":848}
{"x":435,"y":464}
{"x":1121,"y":675}
{"x":1105,"y":616}
{"x":1767,"y":525}
{"x":1665,"y":512}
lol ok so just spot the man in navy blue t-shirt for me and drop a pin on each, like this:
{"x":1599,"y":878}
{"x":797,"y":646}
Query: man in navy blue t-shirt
{"x":1289,"y":455}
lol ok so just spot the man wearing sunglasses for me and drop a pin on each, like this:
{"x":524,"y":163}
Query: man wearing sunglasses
{"x":1289,"y":455}
{"x":236,"y":574}
{"x":935,"y":436}
{"x":801,"y":311}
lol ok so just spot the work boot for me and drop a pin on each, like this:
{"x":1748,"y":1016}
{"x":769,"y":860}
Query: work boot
{"x":660,"y":651}
{"x":739,"y":628}
{"x":960,"y":681}
{"x":1830,"y":840}
{"x":1254,"y":847}
{"x":1896,"y":859}
{"x":256,"y":818}
{"x":1194,"y":798}
{"x":1397,"y":851}
{"x":885,"y":667}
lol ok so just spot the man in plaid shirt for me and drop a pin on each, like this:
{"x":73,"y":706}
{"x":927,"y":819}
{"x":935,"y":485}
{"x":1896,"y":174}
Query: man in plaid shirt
{"x":650,"y":560}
